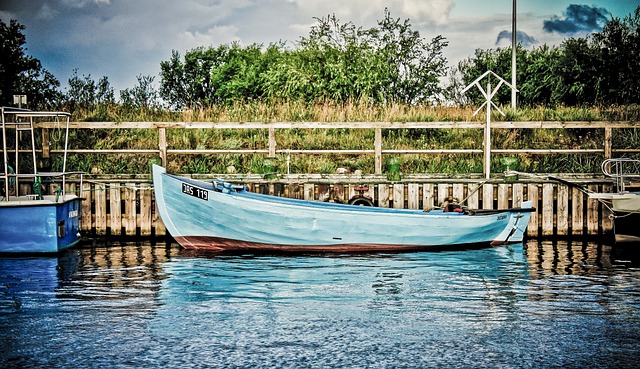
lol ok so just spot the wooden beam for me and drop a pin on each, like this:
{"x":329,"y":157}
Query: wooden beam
{"x":162,"y":145}
{"x":608,"y":143}
{"x":272,"y":142}
{"x":548,"y":214}
{"x":46,"y":148}
{"x":354,"y":125}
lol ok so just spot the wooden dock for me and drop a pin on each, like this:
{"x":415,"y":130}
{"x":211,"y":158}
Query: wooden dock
{"x":126,"y":207}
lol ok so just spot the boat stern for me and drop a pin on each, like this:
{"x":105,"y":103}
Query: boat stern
{"x":39,"y":226}
{"x":517,"y":222}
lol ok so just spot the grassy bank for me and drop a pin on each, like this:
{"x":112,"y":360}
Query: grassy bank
{"x":251,"y":139}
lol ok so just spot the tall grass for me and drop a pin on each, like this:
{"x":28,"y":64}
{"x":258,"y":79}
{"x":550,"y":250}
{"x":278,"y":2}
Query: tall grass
{"x":322,"y":139}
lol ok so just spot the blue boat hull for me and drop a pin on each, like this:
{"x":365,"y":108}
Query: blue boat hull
{"x":39,"y":226}
{"x":200,"y":215}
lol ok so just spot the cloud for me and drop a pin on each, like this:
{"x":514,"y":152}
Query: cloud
{"x":578,"y":18}
{"x":436,"y":11}
{"x":122,"y":39}
{"x":212,"y":37}
{"x":5,"y":16}
{"x":84,"y":3}
{"x":521,"y":38}
{"x":46,"y":13}
{"x":361,"y":11}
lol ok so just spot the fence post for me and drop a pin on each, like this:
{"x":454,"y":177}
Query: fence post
{"x":162,"y":145}
{"x":46,"y":150}
{"x":378,"y":150}
{"x":272,"y":142}
{"x":608,"y":143}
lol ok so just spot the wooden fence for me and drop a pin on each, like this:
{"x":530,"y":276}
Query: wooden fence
{"x":127,"y":208}
{"x":377,"y":145}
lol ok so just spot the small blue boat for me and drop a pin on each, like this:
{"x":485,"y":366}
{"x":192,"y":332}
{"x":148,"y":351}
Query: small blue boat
{"x":34,"y":222}
{"x":218,"y":216}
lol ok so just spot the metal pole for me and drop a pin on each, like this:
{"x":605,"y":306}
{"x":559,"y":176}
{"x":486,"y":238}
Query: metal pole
{"x":514,"y":32}
{"x":5,"y":157}
{"x":487,"y":136}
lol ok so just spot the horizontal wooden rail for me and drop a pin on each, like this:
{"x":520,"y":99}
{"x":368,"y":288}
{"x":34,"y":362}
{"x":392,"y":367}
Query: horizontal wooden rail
{"x":322,"y":152}
{"x":337,"y":125}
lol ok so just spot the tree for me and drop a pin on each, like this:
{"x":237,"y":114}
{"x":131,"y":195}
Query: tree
{"x":85,"y":93}
{"x":496,"y":60}
{"x":23,"y":74}
{"x":142,"y":96}
{"x":580,"y":73}
{"x":415,"y":65}
{"x":216,"y":75}
{"x":388,"y":63}
{"x":619,"y":50}
{"x":337,"y":61}
{"x":602,"y":68}
{"x":538,"y":78}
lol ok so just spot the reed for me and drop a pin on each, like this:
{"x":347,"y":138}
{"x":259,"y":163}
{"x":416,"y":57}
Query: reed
{"x":356,"y":111}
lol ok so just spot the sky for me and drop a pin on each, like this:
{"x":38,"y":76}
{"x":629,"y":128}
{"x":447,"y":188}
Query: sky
{"x":124,"y":39}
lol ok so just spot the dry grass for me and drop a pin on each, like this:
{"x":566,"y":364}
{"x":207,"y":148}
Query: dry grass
{"x":342,"y":139}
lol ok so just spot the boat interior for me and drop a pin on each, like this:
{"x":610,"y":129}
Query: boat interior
{"x":21,"y":179}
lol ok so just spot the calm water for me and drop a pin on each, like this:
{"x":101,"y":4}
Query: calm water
{"x":538,"y":305}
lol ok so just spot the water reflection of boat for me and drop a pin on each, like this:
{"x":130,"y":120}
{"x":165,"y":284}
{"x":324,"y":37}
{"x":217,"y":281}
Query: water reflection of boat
{"x":625,"y":202}
{"x":25,"y":277}
{"x":220,"y":217}
{"x":34,"y":222}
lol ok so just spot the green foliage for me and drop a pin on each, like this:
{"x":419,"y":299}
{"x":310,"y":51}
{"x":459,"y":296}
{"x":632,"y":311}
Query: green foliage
{"x":415,"y":65}
{"x":198,"y":165}
{"x":216,"y":75}
{"x":619,"y":56}
{"x":84,"y":94}
{"x":352,"y":139}
{"x":23,"y":74}
{"x":600,"y":69}
{"x":143,"y":96}
{"x":336,"y":62}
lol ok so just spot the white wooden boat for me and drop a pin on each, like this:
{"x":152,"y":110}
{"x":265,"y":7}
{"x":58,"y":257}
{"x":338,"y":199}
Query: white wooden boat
{"x":625,"y":202}
{"x":221,"y":217}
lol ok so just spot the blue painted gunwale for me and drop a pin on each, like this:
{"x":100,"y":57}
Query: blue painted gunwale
{"x":242,"y":220}
{"x":33,"y":226}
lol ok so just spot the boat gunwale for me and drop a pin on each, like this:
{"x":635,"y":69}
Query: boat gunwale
{"x":47,"y":201}
{"x":247,"y":195}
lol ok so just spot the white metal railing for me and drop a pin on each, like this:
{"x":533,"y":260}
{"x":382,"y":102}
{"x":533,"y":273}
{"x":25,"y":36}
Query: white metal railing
{"x":620,"y":169}
{"x":22,"y":120}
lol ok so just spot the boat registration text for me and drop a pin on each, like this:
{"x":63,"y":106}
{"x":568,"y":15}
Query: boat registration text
{"x":195,"y":191}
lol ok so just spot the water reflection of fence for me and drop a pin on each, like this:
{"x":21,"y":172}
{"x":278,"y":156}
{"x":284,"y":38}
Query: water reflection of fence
{"x":143,"y":261}
{"x":126,"y":207}
{"x":127,"y":272}
{"x":566,"y":258}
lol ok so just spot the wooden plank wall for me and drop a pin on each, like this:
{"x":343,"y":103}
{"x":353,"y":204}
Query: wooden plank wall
{"x":128,"y":208}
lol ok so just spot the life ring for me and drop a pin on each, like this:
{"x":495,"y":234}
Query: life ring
{"x":360,"y":201}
